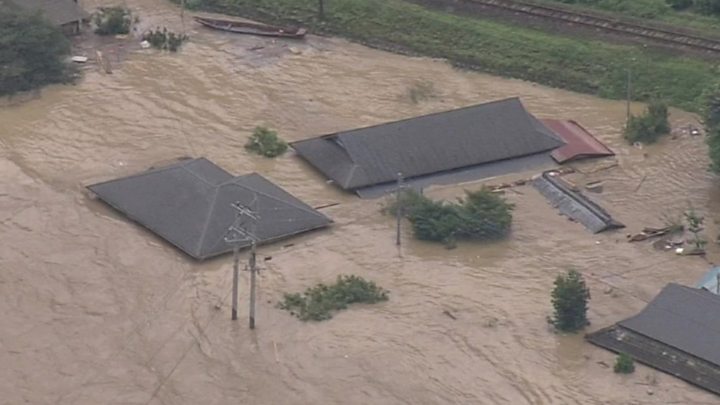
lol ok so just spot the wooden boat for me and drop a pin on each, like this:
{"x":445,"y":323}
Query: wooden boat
{"x":251,"y":28}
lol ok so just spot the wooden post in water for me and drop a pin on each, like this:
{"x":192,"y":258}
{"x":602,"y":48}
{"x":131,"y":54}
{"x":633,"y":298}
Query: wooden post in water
{"x":629,"y":96}
{"x":236,"y":276}
{"x":253,"y":271}
{"x":399,"y":209}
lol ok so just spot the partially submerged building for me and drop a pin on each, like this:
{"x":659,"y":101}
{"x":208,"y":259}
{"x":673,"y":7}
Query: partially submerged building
{"x":460,"y":145}
{"x":66,"y":14}
{"x":574,"y":204}
{"x":189,"y":204}
{"x":579,"y":142}
{"x":676,"y":333}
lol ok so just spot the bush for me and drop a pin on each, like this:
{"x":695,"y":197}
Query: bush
{"x":480,"y":215}
{"x":570,"y":300}
{"x":649,"y":127}
{"x":164,"y":40}
{"x":32,"y":52}
{"x":624,"y":364}
{"x":318,"y":303}
{"x":680,"y":4}
{"x":708,"y":6}
{"x":266,"y":142}
{"x":112,"y":21}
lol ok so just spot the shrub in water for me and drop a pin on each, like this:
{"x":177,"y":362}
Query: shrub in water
{"x":649,"y":127}
{"x":319,"y":302}
{"x":165,"y":40}
{"x":570,"y":300}
{"x":480,"y":215}
{"x":112,"y":21}
{"x":266,"y":142}
{"x":624,"y":364}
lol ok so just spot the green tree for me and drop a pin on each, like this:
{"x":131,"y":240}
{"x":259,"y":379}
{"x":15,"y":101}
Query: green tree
{"x":570,"y":299}
{"x":708,"y":6}
{"x":266,"y":142}
{"x":711,"y":119}
{"x":650,"y":126}
{"x":32,"y":52}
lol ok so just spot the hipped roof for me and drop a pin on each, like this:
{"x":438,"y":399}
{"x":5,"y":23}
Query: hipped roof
{"x":428,"y":144}
{"x":59,"y":12}
{"x":190,"y":205}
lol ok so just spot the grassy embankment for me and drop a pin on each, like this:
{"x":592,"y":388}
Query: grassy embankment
{"x":643,"y":11}
{"x":575,"y":64}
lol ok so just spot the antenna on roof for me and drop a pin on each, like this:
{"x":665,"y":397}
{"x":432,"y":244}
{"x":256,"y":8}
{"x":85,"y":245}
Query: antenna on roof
{"x":239,"y":232}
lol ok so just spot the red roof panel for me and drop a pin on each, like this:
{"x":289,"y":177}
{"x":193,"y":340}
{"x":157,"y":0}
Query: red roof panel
{"x":580,"y":144}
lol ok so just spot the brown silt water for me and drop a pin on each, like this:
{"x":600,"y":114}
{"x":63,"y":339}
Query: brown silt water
{"x":97,"y":310}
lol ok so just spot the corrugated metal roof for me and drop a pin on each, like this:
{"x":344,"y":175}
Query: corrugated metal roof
{"x":189,"y":205}
{"x":579,"y":143}
{"x":709,"y":281}
{"x":574,"y":204}
{"x":685,"y":318}
{"x":59,"y":12}
{"x":429,"y":144}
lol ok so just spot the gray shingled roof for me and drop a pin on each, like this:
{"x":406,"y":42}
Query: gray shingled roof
{"x":59,"y":12}
{"x":574,"y":204}
{"x":685,"y":318}
{"x":429,"y":144}
{"x":189,"y":205}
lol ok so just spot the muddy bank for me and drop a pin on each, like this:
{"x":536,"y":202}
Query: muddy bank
{"x":97,"y":310}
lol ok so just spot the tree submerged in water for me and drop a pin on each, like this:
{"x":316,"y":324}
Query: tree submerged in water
{"x":318,"y":303}
{"x":481,"y":215}
{"x":266,"y":142}
{"x":649,"y":127}
{"x":112,"y":21}
{"x":164,"y":39}
{"x":570,"y":299}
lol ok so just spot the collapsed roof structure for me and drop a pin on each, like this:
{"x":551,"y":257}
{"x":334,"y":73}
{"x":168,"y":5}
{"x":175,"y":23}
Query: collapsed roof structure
{"x":189,"y":204}
{"x":486,"y":136}
{"x":678,"y":332}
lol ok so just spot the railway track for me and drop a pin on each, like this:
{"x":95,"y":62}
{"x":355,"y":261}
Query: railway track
{"x":605,"y":23}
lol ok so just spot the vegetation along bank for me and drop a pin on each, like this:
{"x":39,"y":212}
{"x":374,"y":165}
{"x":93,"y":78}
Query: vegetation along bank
{"x":580,"y":65}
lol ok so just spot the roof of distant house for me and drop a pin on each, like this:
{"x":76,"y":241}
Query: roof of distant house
{"x":429,"y":144}
{"x":190,"y":205}
{"x":59,"y":12}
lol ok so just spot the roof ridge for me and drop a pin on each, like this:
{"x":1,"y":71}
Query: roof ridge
{"x":307,"y":209}
{"x":147,"y":172}
{"x":467,"y":107}
{"x":207,"y":221}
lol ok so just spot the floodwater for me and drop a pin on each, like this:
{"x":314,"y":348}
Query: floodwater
{"x":96,"y":310}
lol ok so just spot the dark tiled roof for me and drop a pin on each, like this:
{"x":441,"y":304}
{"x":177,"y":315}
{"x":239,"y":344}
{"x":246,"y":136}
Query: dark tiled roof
{"x":685,"y":318}
{"x":189,"y":205}
{"x":429,"y":144}
{"x":59,"y":12}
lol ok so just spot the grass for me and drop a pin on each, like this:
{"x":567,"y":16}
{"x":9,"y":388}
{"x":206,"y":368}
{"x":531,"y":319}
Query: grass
{"x":635,"y":11}
{"x":320,"y":302}
{"x":579,"y":65}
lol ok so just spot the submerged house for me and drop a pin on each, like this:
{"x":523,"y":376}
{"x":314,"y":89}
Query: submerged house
{"x":464,"y":144}
{"x":190,"y":204}
{"x":66,"y":14}
{"x":677,"y":333}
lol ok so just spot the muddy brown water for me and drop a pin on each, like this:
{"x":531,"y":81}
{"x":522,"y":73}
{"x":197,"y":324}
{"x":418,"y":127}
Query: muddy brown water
{"x":96,"y":310}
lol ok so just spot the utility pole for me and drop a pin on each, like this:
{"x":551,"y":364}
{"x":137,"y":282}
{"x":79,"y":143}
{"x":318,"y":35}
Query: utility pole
{"x":321,"y":9}
{"x":182,"y":15}
{"x":236,"y":275}
{"x":629,"y":95}
{"x":399,"y":207}
{"x":238,"y":234}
